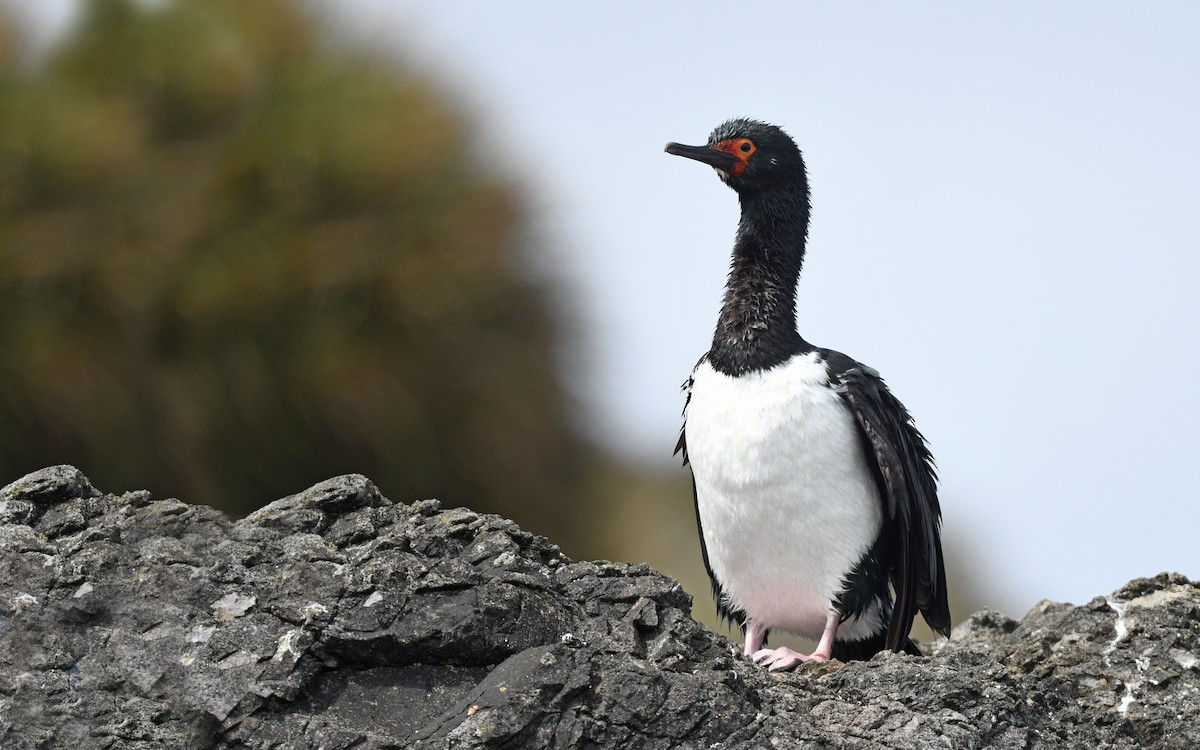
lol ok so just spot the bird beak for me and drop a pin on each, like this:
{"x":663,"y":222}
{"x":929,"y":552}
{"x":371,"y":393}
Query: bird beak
{"x":721,"y":160}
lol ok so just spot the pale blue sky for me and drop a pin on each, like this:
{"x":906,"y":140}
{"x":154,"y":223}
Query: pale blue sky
{"x":1005,"y":203}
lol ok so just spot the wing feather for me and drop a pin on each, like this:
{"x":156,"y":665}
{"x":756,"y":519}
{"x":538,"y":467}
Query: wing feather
{"x":907,"y":480}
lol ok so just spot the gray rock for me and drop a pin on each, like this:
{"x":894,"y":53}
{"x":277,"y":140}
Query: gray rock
{"x":338,"y":619}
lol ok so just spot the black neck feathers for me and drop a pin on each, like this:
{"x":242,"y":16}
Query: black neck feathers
{"x":757,"y":326}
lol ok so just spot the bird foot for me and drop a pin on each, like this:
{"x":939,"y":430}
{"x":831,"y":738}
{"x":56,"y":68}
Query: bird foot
{"x":783,"y":658}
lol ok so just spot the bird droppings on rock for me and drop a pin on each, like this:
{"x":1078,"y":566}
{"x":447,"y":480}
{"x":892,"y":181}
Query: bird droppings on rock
{"x":457,"y":651}
{"x":232,"y":606}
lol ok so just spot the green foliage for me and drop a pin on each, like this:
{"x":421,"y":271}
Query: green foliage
{"x":235,"y":260}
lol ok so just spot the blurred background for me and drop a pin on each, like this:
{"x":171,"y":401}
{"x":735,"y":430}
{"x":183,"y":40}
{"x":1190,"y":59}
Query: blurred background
{"x":248,"y":246}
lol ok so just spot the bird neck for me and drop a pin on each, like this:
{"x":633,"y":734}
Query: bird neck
{"x":757,"y":326}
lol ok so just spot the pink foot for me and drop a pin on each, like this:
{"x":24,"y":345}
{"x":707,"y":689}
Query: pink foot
{"x":783,"y":658}
{"x":779,"y":659}
{"x":755,"y":635}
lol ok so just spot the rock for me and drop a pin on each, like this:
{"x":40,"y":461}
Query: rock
{"x":338,"y":619}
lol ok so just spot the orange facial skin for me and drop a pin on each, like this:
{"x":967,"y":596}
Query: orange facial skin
{"x":742,"y":148}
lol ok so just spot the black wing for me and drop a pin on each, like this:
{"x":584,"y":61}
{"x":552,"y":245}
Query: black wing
{"x":907,"y":480}
{"x":723,"y":608}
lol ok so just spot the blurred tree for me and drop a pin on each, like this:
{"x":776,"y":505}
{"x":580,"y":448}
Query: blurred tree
{"x":236,"y":259}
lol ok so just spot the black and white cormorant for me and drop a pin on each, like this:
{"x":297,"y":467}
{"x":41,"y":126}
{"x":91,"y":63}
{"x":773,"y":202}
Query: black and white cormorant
{"x":815,"y":494}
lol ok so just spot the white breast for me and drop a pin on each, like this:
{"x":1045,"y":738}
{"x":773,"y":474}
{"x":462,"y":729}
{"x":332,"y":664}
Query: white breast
{"x":787,"y":504}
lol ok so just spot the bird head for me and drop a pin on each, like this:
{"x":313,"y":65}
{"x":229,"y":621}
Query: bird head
{"x":749,"y":156}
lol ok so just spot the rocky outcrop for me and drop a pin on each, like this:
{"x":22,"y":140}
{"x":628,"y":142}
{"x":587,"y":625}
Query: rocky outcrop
{"x":338,"y":619}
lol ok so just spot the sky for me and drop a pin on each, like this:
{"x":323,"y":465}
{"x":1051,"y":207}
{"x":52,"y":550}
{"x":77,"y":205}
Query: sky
{"x":1004,"y":203}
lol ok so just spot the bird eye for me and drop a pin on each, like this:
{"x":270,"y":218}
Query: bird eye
{"x":742,"y":148}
